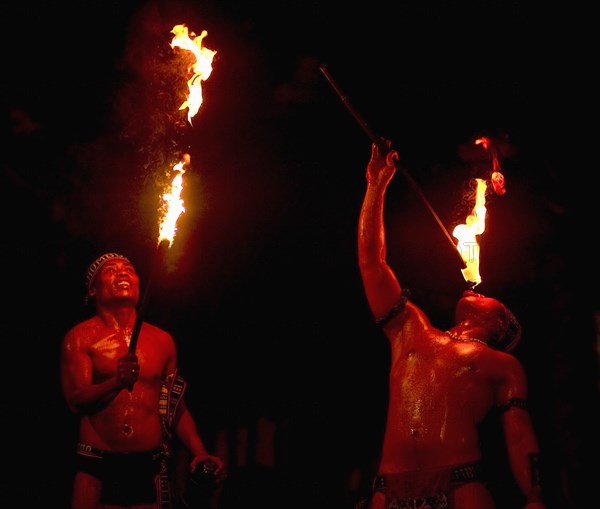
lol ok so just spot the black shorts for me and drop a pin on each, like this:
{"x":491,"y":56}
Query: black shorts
{"x":127,"y":478}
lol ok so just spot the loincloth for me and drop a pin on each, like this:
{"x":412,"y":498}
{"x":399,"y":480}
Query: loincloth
{"x":426,"y":489}
{"x":127,"y":478}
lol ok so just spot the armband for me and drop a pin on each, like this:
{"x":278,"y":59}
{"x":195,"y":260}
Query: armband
{"x":513,"y":402}
{"x":396,"y":309}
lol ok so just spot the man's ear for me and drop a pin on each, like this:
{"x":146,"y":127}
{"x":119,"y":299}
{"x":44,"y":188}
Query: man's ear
{"x":88,"y":295}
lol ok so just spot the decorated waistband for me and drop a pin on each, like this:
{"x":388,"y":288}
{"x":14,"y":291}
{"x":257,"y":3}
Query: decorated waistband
{"x":93,"y":452}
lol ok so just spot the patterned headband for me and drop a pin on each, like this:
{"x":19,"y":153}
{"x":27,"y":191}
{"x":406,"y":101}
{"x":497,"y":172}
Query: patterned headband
{"x":97,"y":264}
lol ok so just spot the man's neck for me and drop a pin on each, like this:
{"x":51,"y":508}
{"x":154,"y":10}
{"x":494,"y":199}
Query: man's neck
{"x":117,"y":316}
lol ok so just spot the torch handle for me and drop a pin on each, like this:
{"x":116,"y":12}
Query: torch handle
{"x":139,"y":318}
{"x":135,"y":333}
{"x":383,"y":149}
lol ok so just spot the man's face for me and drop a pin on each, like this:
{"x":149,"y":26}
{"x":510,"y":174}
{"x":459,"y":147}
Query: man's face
{"x":116,"y":281}
{"x":477,"y":305}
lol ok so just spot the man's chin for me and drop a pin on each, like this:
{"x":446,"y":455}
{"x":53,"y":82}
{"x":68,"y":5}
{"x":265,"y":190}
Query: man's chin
{"x":126,"y":297}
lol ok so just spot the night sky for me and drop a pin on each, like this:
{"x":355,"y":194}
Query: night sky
{"x":261,"y":288}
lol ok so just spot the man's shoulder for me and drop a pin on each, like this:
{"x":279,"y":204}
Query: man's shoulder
{"x":150,"y":328}
{"x":80,"y":333}
{"x":84,"y":325}
{"x":503,"y":356}
{"x":505,"y":363}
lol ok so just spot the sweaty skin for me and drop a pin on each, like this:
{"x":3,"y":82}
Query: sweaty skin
{"x":440,"y":387}
{"x":116,"y":393}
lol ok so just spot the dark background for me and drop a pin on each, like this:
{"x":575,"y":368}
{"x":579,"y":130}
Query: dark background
{"x":261,"y":289}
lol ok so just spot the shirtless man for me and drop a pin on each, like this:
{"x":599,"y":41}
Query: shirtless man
{"x":125,"y":426}
{"x":442,"y":383}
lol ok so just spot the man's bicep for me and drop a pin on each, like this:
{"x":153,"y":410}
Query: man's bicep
{"x":75,"y":370}
{"x":512,"y":392}
{"x":170,"y":357}
{"x":382,"y":289}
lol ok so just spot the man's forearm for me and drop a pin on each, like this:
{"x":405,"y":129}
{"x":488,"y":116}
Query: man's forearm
{"x":371,"y":240}
{"x":534,"y":494}
{"x":187,"y":431}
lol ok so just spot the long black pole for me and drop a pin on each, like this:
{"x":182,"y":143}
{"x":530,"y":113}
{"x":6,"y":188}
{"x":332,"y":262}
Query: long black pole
{"x":384,"y":149}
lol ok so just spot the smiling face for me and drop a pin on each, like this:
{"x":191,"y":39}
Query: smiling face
{"x":115,"y":281}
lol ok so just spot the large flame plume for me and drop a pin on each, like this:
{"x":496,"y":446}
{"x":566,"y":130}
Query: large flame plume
{"x":199,"y":70}
{"x":172,"y":205}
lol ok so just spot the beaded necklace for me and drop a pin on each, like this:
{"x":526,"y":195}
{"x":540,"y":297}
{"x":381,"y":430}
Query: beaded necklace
{"x":467,"y":340}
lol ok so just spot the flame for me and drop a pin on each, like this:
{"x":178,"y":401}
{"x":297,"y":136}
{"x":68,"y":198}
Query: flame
{"x":172,"y":205}
{"x":467,"y":246}
{"x":200,"y":69}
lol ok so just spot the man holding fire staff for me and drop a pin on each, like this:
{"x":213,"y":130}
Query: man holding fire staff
{"x":441,"y":384}
{"x":130,"y":403}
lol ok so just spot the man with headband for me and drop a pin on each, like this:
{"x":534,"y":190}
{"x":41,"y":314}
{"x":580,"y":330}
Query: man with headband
{"x":130,"y":404}
{"x":442,"y":383}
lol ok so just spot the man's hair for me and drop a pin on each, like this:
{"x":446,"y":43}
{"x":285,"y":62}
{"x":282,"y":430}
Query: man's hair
{"x":94,"y":268}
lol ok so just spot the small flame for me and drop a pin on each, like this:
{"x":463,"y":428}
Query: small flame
{"x":172,"y":206}
{"x":200,"y":69}
{"x":467,"y":246}
{"x":496,"y":176}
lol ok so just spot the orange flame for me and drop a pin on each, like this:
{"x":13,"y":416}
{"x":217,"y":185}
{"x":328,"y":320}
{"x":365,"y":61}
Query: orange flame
{"x":467,"y":246}
{"x":172,"y":205}
{"x":200,"y":69}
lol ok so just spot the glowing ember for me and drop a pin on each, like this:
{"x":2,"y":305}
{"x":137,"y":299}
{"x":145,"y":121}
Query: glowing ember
{"x":200,"y":70}
{"x":467,"y":246}
{"x":172,"y":205}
